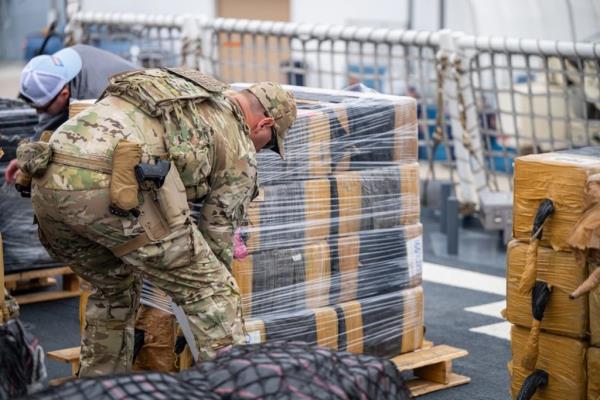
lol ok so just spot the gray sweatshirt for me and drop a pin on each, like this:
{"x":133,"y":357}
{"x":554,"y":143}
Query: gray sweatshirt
{"x":97,"y":66}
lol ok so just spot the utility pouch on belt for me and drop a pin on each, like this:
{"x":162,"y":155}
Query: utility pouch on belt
{"x":164,"y":180}
{"x":173,"y":200}
{"x":123,"y":184}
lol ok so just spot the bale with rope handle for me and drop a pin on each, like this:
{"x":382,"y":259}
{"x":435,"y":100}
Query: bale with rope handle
{"x":545,"y":209}
{"x":563,"y":358}
{"x":539,"y":300}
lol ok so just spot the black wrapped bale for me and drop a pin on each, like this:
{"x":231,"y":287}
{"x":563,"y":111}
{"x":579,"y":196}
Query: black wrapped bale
{"x":299,"y":212}
{"x":17,"y":122}
{"x":22,"y":248}
{"x":338,"y":131}
{"x":321,"y":273}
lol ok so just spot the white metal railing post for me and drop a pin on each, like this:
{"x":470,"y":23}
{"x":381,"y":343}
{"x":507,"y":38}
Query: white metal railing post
{"x":463,"y":119}
{"x":73,"y":27}
{"x":191,"y":43}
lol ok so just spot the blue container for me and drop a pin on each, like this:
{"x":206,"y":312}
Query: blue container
{"x":34,"y":41}
{"x":499,"y":162}
{"x":369,"y":74}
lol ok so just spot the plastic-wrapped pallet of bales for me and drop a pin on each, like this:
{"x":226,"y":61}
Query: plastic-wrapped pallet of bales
{"x":22,"y":249}
{"x":559,"y":269}
{"x":333,"y":238}
{"x":17,"y":121}
{"x":552,"y":293}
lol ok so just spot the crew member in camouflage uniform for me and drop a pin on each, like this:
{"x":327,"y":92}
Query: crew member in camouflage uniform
{"x":211,"y":135}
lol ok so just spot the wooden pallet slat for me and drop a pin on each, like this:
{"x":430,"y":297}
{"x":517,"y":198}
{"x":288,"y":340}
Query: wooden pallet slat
{"x":419,"y":387}
{"x":42,"y":278}
{"x":431,"y":365}
{"x":69,"y":356}
{"x":432,"y":368}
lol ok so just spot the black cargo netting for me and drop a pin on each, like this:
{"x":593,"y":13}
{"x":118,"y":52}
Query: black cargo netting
{"x":274,"y":370}
{"x":22,"y":368}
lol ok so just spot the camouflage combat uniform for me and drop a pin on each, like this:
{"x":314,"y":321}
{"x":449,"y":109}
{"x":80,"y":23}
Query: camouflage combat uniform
{"x":206,"y":138}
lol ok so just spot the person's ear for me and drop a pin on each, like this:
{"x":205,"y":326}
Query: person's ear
{"x":266,"y":122}
{"x":65,"y":92}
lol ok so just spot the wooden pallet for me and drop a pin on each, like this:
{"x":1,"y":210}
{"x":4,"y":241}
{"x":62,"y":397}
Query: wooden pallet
{"x":67,"y":356}
{"x":432,"y":368}
{"x":40,"y":279}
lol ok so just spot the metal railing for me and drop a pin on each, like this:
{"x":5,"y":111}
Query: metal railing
{"x":481,"y":101}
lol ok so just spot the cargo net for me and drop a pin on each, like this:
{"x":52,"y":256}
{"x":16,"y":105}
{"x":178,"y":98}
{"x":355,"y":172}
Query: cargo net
{"x":276,"y":370}
{"x":22,"y":368}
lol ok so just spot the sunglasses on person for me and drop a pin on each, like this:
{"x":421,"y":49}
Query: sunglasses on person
{"x":272,"y":145}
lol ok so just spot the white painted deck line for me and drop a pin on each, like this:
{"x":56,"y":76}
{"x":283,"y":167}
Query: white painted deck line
{"x":500,"y":330}
{"x":490,"y":309}
{"x":464,"y":279}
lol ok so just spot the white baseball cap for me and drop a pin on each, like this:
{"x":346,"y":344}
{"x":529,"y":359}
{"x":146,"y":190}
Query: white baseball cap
{"x":44,"y":76}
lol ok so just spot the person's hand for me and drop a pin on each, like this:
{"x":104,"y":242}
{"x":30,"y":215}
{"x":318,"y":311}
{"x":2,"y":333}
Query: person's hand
{"x":10,"y":174}
{"x":240,"y":251}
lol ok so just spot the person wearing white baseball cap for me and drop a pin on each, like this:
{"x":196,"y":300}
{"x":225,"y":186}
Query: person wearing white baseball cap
{"x":49,"y":82}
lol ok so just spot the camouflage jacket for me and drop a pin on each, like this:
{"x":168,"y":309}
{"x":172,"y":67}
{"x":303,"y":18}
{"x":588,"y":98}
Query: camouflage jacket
{"x":201,"y":130}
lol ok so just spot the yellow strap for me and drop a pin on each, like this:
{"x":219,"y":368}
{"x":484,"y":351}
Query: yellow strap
{"x":133,"y":244}
{"x":94,"y":163}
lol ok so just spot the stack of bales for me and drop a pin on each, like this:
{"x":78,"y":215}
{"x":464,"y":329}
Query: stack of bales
{"x":334,"y":237}
{"x":22,"y":249}
{"x":555,"y":338}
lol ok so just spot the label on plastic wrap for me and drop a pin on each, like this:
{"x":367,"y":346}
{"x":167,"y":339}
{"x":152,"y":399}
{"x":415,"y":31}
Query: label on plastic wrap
{"x":297,"y":257}
{"x":253,"y":337}
{"x":414,"y":255}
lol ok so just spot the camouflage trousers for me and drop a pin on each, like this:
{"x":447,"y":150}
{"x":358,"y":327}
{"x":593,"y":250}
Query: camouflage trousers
{"x":77,"y":228}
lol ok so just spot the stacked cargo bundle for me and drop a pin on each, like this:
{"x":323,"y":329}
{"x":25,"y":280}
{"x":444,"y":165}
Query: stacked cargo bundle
{"x":334,"y":238}
{"x":22,"y":249}
{"x":552,"y":298}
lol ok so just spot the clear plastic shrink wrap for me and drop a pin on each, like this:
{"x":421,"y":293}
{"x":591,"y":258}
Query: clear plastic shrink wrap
{"x":384,"y":325}
{"x":559,"y":269}
{"x":17,"y":122}
{"x":22,"y":248}
{"x":561,"y":357}
{"x":560,"y":177}
{"x":332,"y":271}
{"x":333,"y":237}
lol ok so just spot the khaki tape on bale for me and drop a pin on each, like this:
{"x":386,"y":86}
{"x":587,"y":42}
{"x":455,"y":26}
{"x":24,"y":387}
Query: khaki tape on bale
{"x":539,"y":300}
{"x":354,"y":326}
{"x":327,"y":327}
{"x":528,"y":277}
{"x":530,"y":271}
{"x":532,"y":346}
